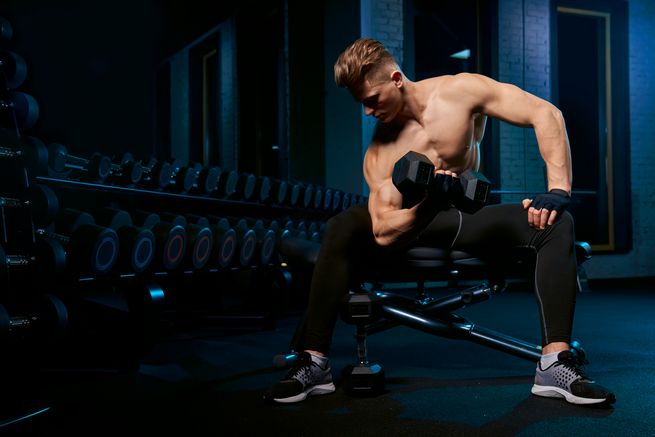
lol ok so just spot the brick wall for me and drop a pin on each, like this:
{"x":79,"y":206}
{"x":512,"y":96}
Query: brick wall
{"x":524,"y":60}
{"x":641,"y":260}
{"x":382,"y":20}
{"x":387,"y":25}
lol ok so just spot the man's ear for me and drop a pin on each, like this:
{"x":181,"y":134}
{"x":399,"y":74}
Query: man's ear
{"x":397,"y":78}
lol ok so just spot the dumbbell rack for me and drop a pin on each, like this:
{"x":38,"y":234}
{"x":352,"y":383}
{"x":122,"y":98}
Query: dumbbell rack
{"x":121,"y":300}
{"x":75,"y":194}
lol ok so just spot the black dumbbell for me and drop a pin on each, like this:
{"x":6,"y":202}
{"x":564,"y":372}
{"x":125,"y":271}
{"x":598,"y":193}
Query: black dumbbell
{"x":127,"y":171}
{"x":184,"y":177}
{"x":328,"y":195}
{"x":14,"y":68}
{"x":40,"y":199}
{"x":207,"y":181}
{"x":200,"y":240}
{"x":29,"y":151}
{"x":413,"y":175}
{"x":279,"y":190}
{"x":156,"y":174}
{"x":6,"y":30}
{"x":293,"y":229}
{"x":90,"y":248}
{"x":49,"y":317}
{"x":306,"y":195}
{"x":226,"y":243}
{"x":137,"y":244}
{"x":317,"y":203}
{"x":345,"y":201}
{"x":265,"y":239}
{"x":263,"y":189}
{"x":227,"y":184}
{"x":245,"y":188}
{"x":63,"y":165}
{"x":246,"y":239}
{"x":18,"y":110}
{"x":295,"y":190}
{"x":225,"y":239}
{"x":170,"y":239}
{"x":336,"y":200}
{"x":47,"y":259}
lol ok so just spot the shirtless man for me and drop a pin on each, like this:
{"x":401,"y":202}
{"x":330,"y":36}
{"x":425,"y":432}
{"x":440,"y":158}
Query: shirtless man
{"x":444,"y":118}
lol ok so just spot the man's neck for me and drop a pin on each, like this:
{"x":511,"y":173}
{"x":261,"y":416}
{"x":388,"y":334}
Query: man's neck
{"x":413,"y":106}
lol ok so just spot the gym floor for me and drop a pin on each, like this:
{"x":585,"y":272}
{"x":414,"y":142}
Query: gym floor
{"x":210,"y":381}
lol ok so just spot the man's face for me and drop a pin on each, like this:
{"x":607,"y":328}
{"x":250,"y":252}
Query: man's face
{"x":379,"y":97}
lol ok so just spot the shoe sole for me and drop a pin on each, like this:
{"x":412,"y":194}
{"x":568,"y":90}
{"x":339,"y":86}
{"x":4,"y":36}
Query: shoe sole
{"x":556,"y":392}
{"x":321,"y":389}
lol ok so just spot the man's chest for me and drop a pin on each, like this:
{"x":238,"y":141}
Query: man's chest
{"x":446,"y":138}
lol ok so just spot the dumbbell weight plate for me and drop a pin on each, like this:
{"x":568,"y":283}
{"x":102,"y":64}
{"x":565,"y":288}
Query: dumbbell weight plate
{"x":93,"y":249}
{"x":53,"y":315}
{"x":44,"y":204}
{"x":145,"y":219}
{"x":14,"y":68}
{"x":6,"y":30}
{"x":137,"y":248}
{"x":26,"y":109}
{"x":263,"y":188}
{"x":4,"y":321}
{"x":201,"y":241}
{"x":113,"y":218}
{"x":208,"y":179}
{"x":318,"y":198}
{"x":50,"y":256}
{"x":132,"y":171}
{"x":226,"y":242}
{"x":57,"y":154}
{"x":170,"y":244}
{"x":68,"y":220}
{"x":246,"y":185}
{"x":308,"y":195}
{"x":99,"y":167}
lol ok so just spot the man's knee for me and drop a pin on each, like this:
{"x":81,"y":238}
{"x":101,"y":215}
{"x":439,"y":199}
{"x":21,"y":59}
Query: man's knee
{"x":348,"y":224}
{"x":566,"y":223}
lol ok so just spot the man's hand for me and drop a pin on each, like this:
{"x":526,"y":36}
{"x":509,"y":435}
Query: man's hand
{"x":545,"y":208}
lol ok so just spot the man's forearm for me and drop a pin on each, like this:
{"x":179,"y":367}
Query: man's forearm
{"x":554,"y":147}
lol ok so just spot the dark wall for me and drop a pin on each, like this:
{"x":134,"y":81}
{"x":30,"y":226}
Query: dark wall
{"x":91,"y":65}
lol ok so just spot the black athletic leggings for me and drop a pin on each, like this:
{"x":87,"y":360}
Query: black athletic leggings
{"x":348,"y":240}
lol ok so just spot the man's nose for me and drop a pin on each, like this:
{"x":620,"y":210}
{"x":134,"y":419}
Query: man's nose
{"x":367,"y":110}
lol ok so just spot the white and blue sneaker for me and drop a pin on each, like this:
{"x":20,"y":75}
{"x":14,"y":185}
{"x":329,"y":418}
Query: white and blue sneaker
{"x":308,"y":376}
{"x":565,"y":378}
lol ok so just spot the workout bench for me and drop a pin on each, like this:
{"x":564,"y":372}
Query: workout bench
{"x":374,"y":310}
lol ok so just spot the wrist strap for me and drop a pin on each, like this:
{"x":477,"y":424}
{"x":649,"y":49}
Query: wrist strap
{"x":560,"y":192}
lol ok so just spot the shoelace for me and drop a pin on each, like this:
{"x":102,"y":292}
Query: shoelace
{"x":575,"y":364}
{"x":300,"y":369}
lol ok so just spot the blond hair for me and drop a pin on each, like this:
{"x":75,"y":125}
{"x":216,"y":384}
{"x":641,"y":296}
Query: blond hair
{"x":364,"y":56}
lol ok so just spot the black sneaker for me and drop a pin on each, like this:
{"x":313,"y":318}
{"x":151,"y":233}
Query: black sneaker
{"x":566,"y":379}
{"x":305,"y":378}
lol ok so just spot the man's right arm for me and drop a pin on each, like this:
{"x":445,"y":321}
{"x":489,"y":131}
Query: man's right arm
{"x":391,"y":223}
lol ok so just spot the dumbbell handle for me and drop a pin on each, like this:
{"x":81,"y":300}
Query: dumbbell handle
{"x":6,"y":152}
{"x":58,"y":237}
{"x":13,"y":203}
{"x":18,"y":260}
{"x":22,"y":321}
{"x":72,"y":160}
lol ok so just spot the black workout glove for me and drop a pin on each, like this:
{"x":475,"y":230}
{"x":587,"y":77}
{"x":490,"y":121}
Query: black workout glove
{"x":555,"y":200}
